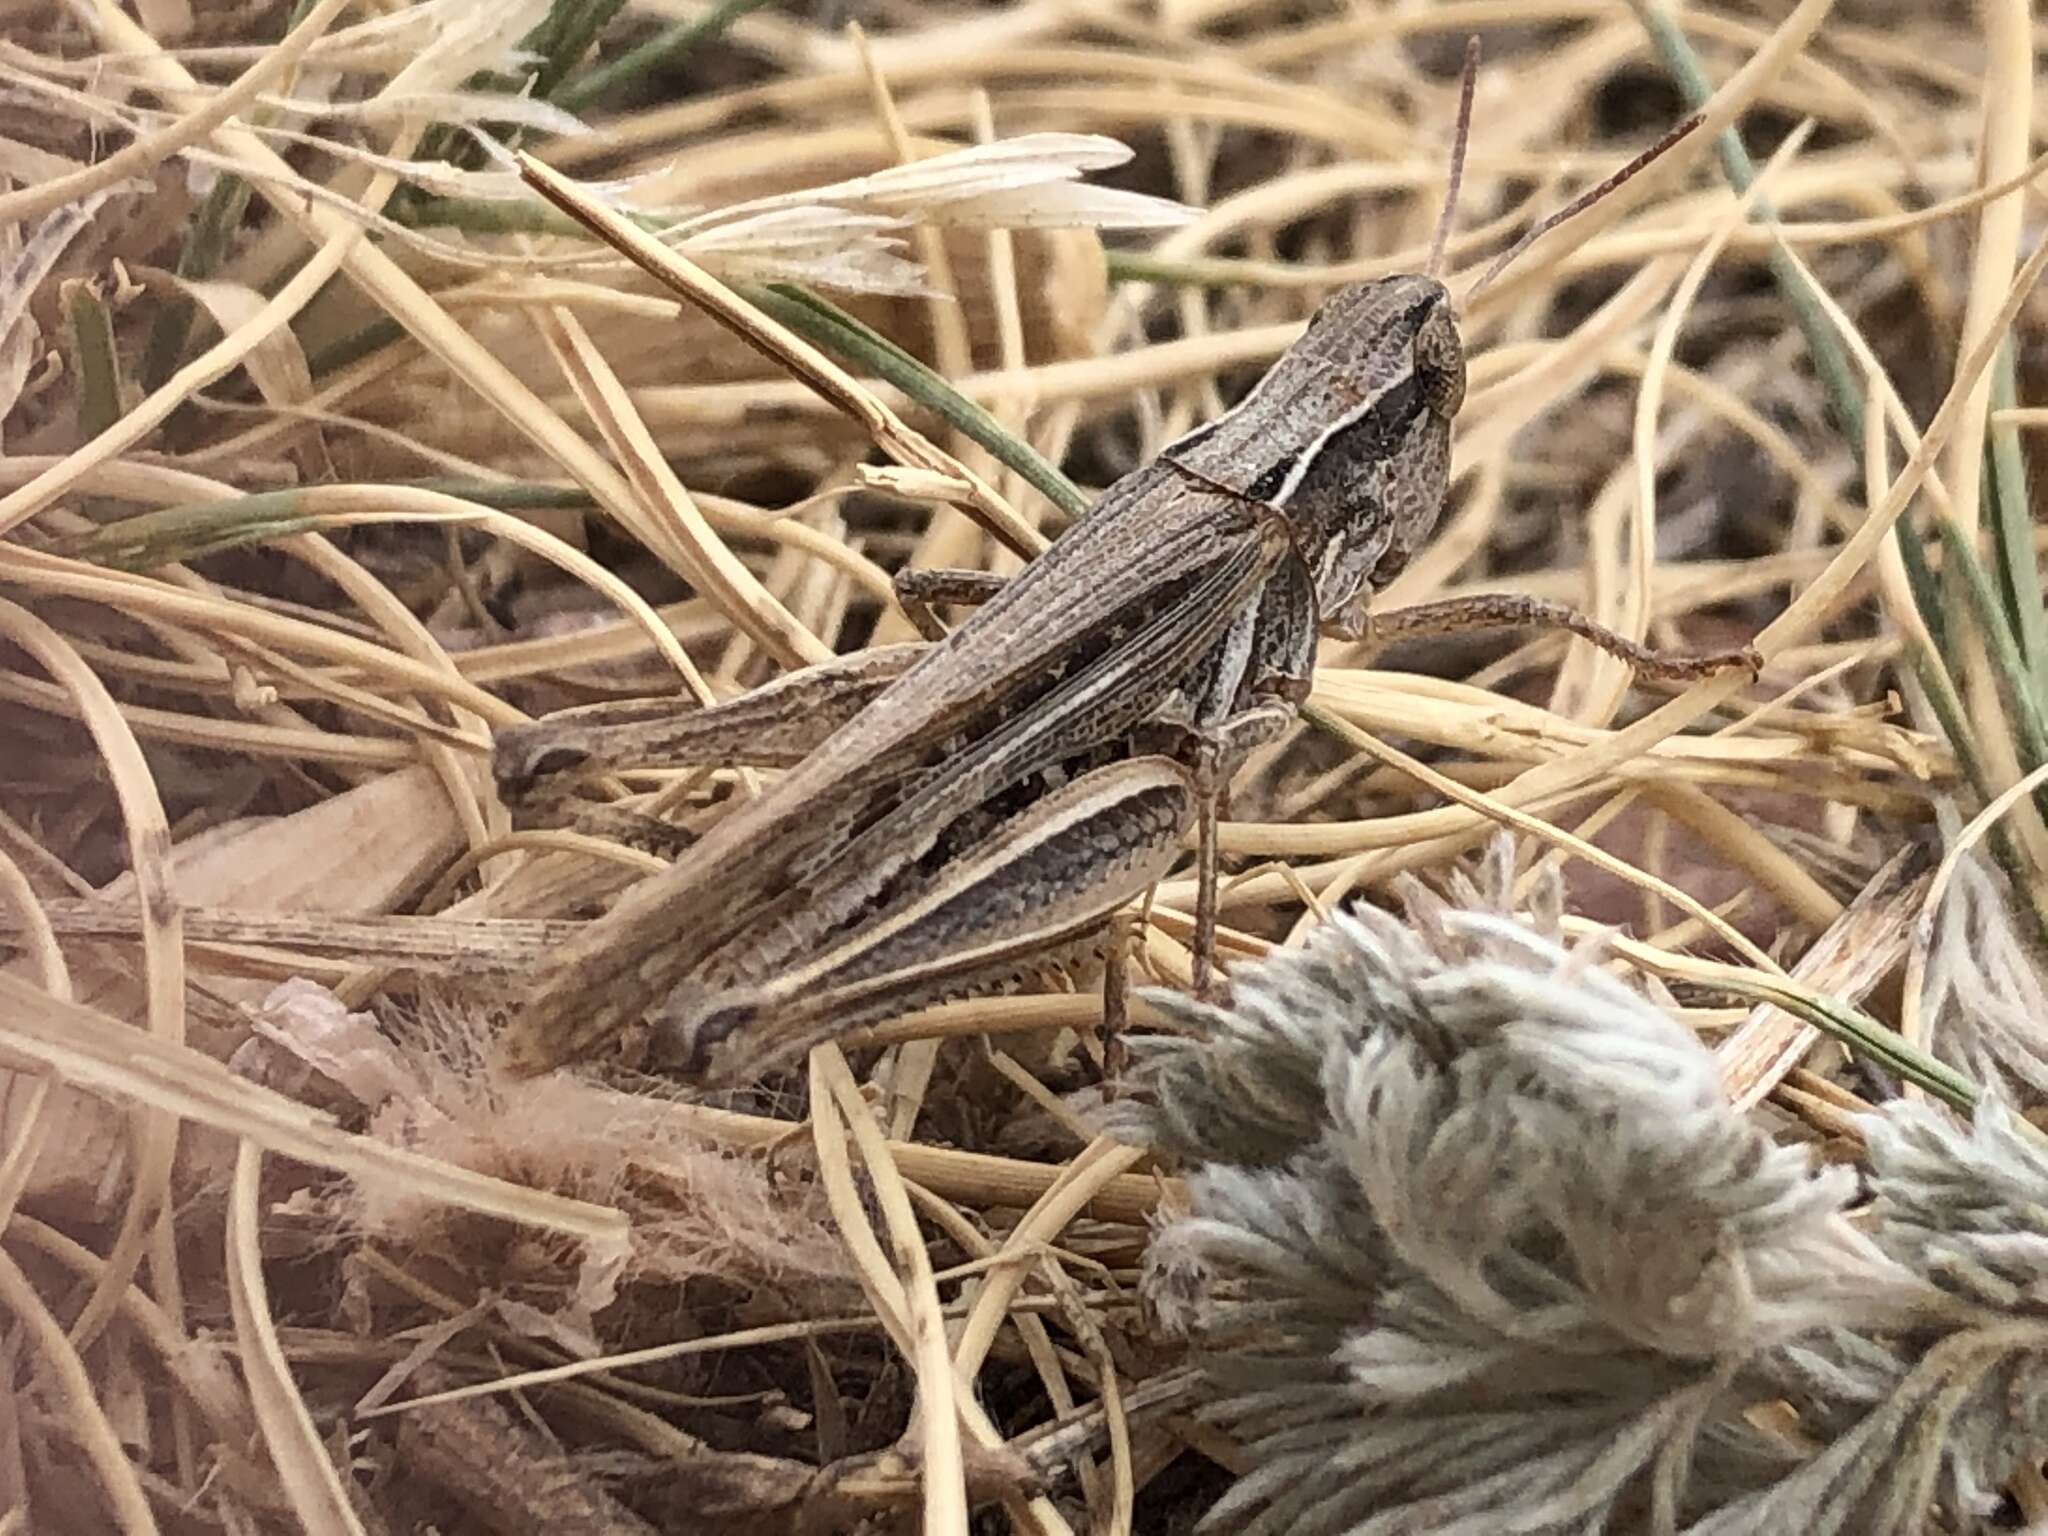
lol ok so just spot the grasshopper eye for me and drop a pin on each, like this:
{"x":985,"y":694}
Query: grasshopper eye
{"x":1440,"y":363}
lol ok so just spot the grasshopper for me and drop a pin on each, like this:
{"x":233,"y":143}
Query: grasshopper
{"x":955,"y":815}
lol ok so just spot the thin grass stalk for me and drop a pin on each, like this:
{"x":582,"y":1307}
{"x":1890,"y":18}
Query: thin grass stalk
{"x":1938,"y":690}
{"x":1995,"y":623}
{"x":1824,"y":348}
{"x":812,"y":317}
{"x":1846,"y":403}
{"x":172,"y":535}
{"x":1862,"y":1035}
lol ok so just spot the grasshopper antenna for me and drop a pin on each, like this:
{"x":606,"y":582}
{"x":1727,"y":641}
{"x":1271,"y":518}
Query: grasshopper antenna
{"x":1580,"y":204}
{"x":1467,"y":81}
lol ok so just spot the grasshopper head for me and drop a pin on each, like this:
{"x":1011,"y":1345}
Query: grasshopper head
{"x":1348,"y":436}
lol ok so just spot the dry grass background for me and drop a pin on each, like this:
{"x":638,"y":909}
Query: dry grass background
{"x":299,"y":507}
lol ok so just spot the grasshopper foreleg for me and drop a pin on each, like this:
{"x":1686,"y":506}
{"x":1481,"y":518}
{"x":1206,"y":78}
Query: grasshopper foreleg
{"x":1466,"y":615}
{"x":1211,"y":754}
{"x":1245,"y":696}
{"x":1116,"y":999}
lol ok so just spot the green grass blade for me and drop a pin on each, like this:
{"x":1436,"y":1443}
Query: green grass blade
{"x":659,"y":52}
{"x":818,"y":320}
{"x":2019,"y":570}
{"x":91,"y":334}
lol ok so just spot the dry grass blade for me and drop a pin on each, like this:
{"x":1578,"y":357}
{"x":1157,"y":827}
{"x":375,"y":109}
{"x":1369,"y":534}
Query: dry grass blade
{"x":98,"y":1438}
{"x":29,"y":500}
{"x":1726,"y":107}
{"x":495,"y":945}
{"x":302,"y":1462}
{"x":667,"y":518}
{"x":1521,"y":821}
{"x":145,"y":154}
{"x":923,"y":1325}
{"x":1101,"y":1162}
{"x":91,"y":1051}
{"x":1011,"y":183}
{"x":1856,"y":952}
{"x":149,"y":847}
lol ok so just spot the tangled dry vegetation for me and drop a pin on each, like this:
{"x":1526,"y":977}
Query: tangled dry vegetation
{"x":328,"y":453}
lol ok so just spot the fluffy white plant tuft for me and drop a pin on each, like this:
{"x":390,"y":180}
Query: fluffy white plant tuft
{"x":1478,"y":1245}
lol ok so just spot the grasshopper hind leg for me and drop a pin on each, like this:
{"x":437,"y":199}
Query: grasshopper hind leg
{"x":1040,"y":889}
{"x":773,"y":726}
{"x":1211,"y":754}
{"x":920,"y":591}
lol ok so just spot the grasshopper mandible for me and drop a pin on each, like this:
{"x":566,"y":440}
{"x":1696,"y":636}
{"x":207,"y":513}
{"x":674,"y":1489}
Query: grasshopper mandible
{"x":959,"y":813}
